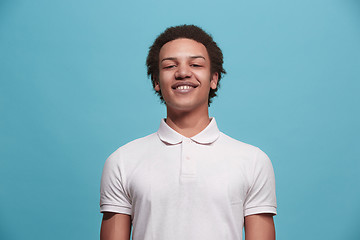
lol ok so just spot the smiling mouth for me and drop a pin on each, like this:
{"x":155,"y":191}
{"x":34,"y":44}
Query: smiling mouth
{"x":184,"y":86}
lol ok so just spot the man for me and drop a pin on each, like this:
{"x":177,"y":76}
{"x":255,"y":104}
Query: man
{"x":188,"y":180}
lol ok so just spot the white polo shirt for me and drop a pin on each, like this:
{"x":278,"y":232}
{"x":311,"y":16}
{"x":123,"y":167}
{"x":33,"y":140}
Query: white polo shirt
{"x":197,"y":188}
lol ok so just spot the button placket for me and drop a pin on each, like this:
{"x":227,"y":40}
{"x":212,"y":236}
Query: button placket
{"x":188,"y":164}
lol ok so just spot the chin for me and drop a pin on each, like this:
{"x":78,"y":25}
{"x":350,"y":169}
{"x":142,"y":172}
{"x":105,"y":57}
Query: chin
{"x":185,"y":106}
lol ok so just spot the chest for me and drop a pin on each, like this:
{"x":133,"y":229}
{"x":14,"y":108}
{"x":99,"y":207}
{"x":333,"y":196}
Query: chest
{"x":189,"y":175}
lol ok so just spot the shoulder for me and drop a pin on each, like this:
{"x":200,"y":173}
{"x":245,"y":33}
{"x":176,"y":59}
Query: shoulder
{"x":235,"y":146}
{"x":134,"y":148}
{"x":241,"y":152}
{"x":139,"y":144}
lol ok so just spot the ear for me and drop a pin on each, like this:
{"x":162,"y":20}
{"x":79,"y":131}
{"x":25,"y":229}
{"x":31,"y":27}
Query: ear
{"x":214,"y":80}
{"x":156,"y":86}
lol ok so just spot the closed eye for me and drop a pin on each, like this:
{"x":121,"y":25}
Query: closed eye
{"x":171,"y":66}
{"x":195,"y":65}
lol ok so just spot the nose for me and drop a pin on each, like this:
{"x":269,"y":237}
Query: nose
{"x":183,"y":72}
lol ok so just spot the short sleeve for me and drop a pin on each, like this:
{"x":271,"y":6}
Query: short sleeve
{"x":113,"y":195}
{"x":261,"y":197}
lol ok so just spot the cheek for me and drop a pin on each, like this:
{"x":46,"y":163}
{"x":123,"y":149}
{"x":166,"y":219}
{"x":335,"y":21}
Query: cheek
{"x":205,"y":80}
{"x":164,"y":79}
{"x":203,"y":75}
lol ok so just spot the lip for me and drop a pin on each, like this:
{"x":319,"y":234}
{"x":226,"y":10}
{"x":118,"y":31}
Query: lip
{"x":178,"y":84}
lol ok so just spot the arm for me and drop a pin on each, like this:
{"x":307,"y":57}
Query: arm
{"x":259,"y":227}
{"x":115,"y":226}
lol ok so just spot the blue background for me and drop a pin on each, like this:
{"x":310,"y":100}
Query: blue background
{"x":74,"y":88}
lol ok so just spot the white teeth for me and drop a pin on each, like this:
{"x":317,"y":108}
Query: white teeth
{"x":183,"y":87}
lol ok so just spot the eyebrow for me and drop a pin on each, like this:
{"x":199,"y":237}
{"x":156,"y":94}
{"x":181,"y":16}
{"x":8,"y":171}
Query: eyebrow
{"x":174,"y":58}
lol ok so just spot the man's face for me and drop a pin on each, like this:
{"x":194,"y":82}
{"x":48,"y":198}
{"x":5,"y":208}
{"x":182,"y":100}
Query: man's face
{"x":184,"y":75}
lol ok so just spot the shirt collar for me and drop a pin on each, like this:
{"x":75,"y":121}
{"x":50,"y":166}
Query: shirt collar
{"x":206,"y":136}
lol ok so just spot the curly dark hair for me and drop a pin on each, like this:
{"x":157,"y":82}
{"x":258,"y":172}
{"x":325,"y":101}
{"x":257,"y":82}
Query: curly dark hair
{"x":191,"y":32}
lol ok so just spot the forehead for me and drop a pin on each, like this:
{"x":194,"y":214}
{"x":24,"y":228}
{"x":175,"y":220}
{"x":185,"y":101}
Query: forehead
{"x":183,"y":47}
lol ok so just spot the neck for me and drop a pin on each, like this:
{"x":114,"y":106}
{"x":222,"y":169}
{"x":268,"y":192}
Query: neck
{"x":189,"y":123}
